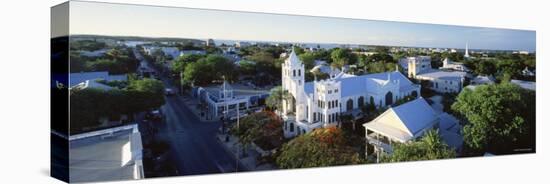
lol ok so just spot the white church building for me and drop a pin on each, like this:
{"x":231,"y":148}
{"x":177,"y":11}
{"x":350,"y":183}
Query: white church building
{"x":320,"y":103}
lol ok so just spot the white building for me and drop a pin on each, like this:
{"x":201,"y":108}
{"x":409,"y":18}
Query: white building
{"x":451,"y":65}
{"x":320,"y":103}
{"x":84,"y":80}
{"x":401,"y":124}
{"x":525,"y":84}
{"x":223,"y":97}
{"x":466,"y":54}
{"x":108,"y":154}
{"x":441,"y":81}
{"x":481,"y":80}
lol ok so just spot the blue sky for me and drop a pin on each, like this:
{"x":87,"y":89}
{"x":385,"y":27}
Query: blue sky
{"x":151,"y":21}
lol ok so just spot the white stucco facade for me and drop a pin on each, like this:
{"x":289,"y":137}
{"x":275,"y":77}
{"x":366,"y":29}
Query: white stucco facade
{"x":321,"y":103}
{"x":440,"y":80}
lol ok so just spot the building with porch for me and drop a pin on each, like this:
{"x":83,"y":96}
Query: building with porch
{"x":217,"y":99}
{"x":401,"y":124}
{"x":320,"y":103}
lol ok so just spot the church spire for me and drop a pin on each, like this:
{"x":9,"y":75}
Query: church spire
{"x":293,"y":58}
{"x":466,"y":52}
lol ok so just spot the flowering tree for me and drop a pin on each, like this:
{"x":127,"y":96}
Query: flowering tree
{"x":321,"y":147}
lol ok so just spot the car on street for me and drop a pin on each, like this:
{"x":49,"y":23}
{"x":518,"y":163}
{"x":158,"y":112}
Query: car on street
{"x":169,"y":92}
{"x":154,"y":115}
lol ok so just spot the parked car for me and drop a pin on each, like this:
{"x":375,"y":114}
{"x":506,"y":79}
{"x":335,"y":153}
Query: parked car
{"x":154,"y":115}
{"x":169,"y":92}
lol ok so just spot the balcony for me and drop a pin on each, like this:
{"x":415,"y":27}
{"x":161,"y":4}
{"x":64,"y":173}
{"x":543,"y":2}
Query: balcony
{"x":380,"y":141}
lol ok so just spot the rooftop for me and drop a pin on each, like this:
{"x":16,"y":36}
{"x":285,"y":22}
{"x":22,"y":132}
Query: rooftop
{"x":404,"y":122}
{"x":352,"y":85}
{"x":109,"y":154}
{"x":77,"y":78}
{"x":439,"y":74}
{"x":525,"y":84}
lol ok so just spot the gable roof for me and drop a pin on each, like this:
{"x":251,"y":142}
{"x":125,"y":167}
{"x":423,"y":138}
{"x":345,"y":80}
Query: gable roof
{"x":406,"y":121}
{"x":354,"y":85}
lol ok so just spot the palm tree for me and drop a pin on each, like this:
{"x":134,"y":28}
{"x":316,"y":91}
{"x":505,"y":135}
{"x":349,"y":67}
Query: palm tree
{"x":435,"y":147}
{"x":276,"y":97}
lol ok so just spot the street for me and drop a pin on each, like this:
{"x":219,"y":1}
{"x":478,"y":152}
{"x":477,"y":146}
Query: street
{"x":192,"y":142}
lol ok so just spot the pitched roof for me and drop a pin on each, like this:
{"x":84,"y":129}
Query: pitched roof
{"x":353,"y":85}
{"x":406,"y":121}
{"x":293,"y":58}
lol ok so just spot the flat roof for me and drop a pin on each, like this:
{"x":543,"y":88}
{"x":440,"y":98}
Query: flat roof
{"x":439,"y":74}
{"x":109,"y":154}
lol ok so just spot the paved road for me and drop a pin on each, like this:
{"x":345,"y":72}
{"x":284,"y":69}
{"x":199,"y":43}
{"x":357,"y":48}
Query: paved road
{"x":194,"y":143}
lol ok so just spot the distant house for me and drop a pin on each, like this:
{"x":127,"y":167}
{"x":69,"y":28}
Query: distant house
{"x":480,"y":80}
{"x":109,"y":154}
{"x":400,"y":124}
{"x":323,"y":67}
{"x":83,"y":80}
{"x":525,"y":84}
{"x":439,"y":80}
{"x":451,"y":65}
{"x":222,"y":97}
{"x":528,"y":73}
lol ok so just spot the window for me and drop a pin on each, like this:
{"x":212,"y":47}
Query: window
{"x":294,"y":73}
{"x":299,"y":82}
{"x":291,"y":127}
{"x":336,"y":90}
{"x":299,"y":72}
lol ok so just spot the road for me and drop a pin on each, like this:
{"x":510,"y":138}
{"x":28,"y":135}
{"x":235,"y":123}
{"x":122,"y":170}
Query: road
{"x":193,"y":142}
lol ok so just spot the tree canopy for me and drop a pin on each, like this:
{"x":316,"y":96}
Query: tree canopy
{"x":263,"y":128}
{"x":429,"y":147}
{"x":90,"y":104}
{"x":500,"y":118}
{"x":276,"y":97}
{"x":209,"y":68}
{"x":341,"y":57}
{"x":321,"y":147}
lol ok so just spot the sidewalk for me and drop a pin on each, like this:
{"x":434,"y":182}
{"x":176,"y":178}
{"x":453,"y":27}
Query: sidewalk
{"x":235,"y":148}
{"x":192,"y":104}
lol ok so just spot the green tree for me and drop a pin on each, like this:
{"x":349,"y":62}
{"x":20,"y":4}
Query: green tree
{"x":308,"y":59}
{"x":263,"y":128}
{"x":500,"y":118}
{"x":321,"y":147}
{"x":194,"y":73}
{"x":276,"y":97}
{"x":429,"y":147}
{"x":179,"y":63}
{"x":485,"y":67}
{"x":151,"y":91}
{"x":341,"y":57}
